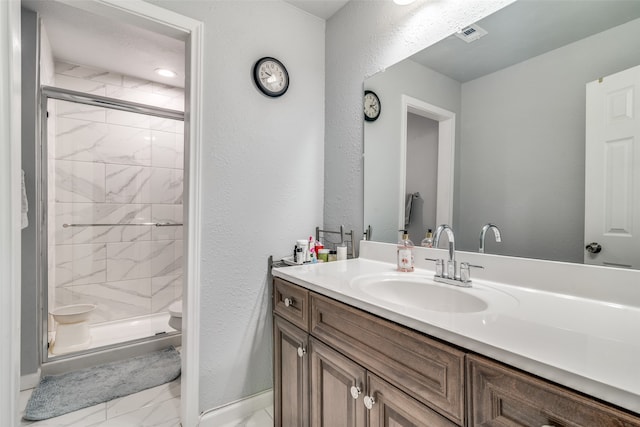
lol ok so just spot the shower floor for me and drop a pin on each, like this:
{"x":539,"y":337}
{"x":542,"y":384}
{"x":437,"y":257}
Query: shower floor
{"x":120,"y":331}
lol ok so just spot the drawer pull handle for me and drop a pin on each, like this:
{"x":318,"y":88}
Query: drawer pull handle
{"x":369,"y":401}
{"x":355,"y":391}
{"x":301,"y":351}
{"x":289,"y":302}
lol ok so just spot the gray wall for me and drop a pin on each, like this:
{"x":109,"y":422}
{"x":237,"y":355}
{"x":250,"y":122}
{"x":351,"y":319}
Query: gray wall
{"x":262,"y":179}
{"x":30,"y":341}
{"x":522,"y":147}
{"x":422,"y":174}
{"x":365,"y":37}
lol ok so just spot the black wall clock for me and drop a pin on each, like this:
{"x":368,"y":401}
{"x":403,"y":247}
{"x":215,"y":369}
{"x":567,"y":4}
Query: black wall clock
{"x":372,"y":106}
{"x":271,"y":76}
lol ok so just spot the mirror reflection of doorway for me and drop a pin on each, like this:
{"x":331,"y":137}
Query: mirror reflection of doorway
{"x":422,"y":175}
{"x":612,"y":204}
{"x":427,"y":155}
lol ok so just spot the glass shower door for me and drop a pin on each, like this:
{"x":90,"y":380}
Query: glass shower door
{"x":114,"y":212}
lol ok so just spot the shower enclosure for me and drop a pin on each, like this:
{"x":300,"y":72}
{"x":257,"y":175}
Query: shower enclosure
{"x":112,"y":186}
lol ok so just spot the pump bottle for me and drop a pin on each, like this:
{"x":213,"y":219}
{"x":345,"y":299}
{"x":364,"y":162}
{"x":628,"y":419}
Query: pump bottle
{"x":405,"y":253}
{"x":427,"y":242}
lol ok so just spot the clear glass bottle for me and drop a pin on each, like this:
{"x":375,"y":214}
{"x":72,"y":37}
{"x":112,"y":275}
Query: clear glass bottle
{"x":427,"y":242}
{"x":405,"y":253}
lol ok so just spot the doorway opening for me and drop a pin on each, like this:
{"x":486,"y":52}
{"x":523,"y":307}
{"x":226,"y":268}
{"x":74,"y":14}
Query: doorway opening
{"x":439,"y":125}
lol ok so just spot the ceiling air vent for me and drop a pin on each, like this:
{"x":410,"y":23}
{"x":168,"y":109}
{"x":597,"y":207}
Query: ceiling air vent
{"x":471,"y":33}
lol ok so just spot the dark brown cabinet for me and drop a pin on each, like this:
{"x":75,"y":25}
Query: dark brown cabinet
{"x":338,"y":366}
{"x":427,"y":370}
{"x":499,"y":395}
{"x":291,"y":374}
{"x":336,"y":388}
{"x":391,"y":407}
{"x":344,"y":394}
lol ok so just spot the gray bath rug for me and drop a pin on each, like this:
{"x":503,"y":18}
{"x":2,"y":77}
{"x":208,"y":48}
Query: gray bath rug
{"x":60,"y":394}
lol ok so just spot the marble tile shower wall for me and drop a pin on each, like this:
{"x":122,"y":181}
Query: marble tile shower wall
{"x":107,"y":167}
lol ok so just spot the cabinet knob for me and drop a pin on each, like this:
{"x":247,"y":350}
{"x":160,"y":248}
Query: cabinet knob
{"x":355,"y":391}
{"x":301,"y":351}
{"x":369,"y":401}
{"x":288,"y":302}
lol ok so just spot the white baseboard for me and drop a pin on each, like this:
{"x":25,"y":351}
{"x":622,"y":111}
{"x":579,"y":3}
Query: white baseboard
{"x":30,"y":380}
{"x":236,"y":411}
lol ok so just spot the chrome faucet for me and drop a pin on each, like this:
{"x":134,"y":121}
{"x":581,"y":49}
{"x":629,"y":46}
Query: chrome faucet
{"x":450,"y":271}
{"x":483,"y":233}
{"x":450,"y":274}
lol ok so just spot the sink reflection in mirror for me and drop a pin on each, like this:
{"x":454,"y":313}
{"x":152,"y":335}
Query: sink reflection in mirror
{"x":423,"y":293}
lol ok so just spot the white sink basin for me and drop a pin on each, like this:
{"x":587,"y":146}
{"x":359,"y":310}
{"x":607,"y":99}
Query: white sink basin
{"x":421,"y":292}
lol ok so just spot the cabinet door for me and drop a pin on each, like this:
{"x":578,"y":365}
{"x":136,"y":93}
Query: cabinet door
{"x":291,"y":375}
{"x":500,"y":396}
{"x":391,"y":407}
{"x":332,"y":378}
{"x":428,"y":370}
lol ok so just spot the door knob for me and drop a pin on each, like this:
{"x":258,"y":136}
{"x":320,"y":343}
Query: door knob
{"x":593,"y":248}
{"x":355,"y":391}
{"x":369,"y":401}
{"x":288,"y":302}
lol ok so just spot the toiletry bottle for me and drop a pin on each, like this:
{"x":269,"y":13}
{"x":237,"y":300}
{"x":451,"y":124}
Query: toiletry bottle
{"x":427,"y":242}
{"x":310,"y":249}
{"x":342,"y":251}
{"x":405,"y":253}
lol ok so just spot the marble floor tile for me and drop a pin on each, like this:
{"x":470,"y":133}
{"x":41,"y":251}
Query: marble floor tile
{"x":260,"y":418}
{"x":269,"y":410}
{"x":165,"y":414}
{"x":80,"y":418}
{"x":143,"y":399}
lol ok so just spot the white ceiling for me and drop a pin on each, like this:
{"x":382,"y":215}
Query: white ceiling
{"x":324,"y":9}
{"x":85,"y":39}
{"x":523,"y":30}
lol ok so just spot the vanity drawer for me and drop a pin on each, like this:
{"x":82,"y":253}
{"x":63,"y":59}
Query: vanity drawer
{"x":291,"y":302}
{"x":499,"y":395}
{"x":428,"y":370}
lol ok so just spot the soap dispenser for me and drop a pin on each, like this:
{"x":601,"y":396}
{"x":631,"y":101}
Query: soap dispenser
{"x":427,"y":242}
{"x":405,"y":253}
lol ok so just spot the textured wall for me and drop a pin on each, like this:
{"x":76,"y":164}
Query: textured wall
{"x":365,"y":37}
{"x":262,"y":179}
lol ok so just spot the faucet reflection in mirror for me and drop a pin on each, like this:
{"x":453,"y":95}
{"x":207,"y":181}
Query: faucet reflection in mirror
{"x":483,"y":234}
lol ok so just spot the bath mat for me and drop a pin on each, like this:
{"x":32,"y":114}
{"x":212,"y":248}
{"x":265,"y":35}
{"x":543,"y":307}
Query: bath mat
{"x":60,"y":394}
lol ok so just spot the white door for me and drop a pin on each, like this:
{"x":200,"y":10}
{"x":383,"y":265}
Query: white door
{"x":612,"y":170}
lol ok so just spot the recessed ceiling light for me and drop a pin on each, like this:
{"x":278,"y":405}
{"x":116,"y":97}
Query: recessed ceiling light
{"x":403,"y":2}
{"x":165,"y":73}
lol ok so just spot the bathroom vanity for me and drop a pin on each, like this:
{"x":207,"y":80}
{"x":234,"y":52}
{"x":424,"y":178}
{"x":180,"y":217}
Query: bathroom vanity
{"x":347,"y":353}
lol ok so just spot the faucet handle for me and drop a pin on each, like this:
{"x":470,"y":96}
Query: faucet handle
{"x":465,"y":271}
{"x":439,"y":266}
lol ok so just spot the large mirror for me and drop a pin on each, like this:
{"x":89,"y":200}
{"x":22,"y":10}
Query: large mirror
{"x":516,"y":128}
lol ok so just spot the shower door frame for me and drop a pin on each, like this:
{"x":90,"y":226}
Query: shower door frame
{"x":54,"y":93}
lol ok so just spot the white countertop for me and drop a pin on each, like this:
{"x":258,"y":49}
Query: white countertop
{"x":589,"y":345}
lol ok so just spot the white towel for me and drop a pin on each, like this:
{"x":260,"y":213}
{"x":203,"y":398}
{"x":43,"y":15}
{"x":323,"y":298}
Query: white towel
{"x":25,"y":204}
